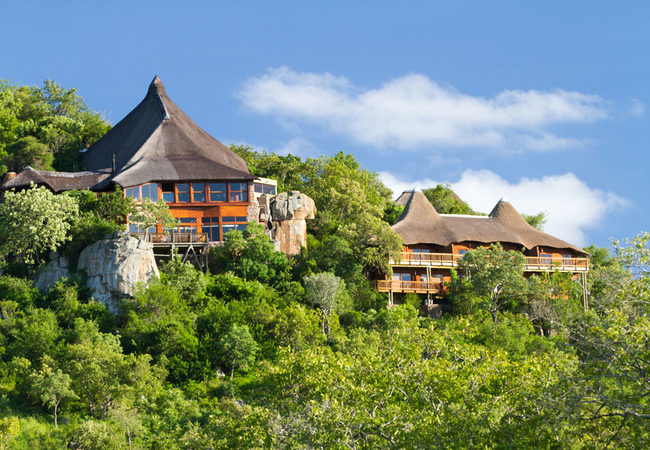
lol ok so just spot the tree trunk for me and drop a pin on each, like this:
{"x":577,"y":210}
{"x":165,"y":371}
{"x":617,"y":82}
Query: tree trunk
{"x":494,"y":320}
{"x":56,"y":422}
{"x":232,"y":369}
{"x":329,"y":331}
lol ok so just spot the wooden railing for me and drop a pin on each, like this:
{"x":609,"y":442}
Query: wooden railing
{"x":572,"y":264}
{"x":173,"y":238}
{"x":533,"y":263}
{"x":432,"y":259}
{"x":409,"y":286}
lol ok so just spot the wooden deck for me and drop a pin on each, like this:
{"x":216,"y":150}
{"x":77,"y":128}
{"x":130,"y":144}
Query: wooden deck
{"x":418,"y":287}
{"x":533,"y":264}
{"x":189,"y":246}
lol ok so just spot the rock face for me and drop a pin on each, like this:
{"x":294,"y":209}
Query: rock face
{"x":292,"y":206}
{"x":54,"y":271}
{"x":285,"y":216}
{"x":114,"y":266}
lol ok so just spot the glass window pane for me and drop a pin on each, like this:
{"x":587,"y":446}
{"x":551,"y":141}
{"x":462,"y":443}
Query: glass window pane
{"x":199,"y":196}
{"x":238,"y":196}
{"x":217,"y":196}
{"x":168,"y":197}
{"x":153,"y":191}
{"x":242,"y":219}
{"x":227,"y":228}
{"x":183,"y":196}
{"x":183,"y":187}
{"x":217,"y":187}
{"x":259,"y":188}
{"x":241,"y":227}
{"x":145,"y":191}
{"x":228,"y":219}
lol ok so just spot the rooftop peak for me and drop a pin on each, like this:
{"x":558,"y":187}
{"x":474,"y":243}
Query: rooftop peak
{"x":157,"y":86}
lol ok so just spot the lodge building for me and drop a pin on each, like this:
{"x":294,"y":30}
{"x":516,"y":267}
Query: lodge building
{"x":434,"y":243}
{"x":158,"y":152}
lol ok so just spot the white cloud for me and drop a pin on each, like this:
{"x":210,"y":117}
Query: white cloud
{"x":298,"y":147}
{"x":572,"y":206}
{"x":414,"y":111}
{"x":637,"y":108}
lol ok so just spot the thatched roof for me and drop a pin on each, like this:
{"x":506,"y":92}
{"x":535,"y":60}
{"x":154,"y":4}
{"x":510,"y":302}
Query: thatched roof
{"x":421,"y":224}
{"x":59,"y":181}
{"x":157,"y":141}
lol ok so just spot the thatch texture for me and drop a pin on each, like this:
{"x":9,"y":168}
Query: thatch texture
{"x":421,"y":224}
{"x":59,"y":181}
{"x":157,"y":141}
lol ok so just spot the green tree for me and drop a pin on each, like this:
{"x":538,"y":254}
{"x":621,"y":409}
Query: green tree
{"x":251,"y":255}
{"x":445,"y":201}
{"x":102,"y":374}
{"x":238,"y":348}
{"x":324,"y":290}
{"x":27,"y":151}
{"x":536,"y":221}
{"x":493,"y":280}
{"x":33,"y":221}
{"x":9,"y":429}
{"x":148,"y":214}
{"x":51,"y":387}
{"x":49,"y":124}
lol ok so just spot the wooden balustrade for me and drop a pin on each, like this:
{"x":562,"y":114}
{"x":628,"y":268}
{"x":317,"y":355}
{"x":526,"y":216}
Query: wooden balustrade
{"x":533,"y":263}
{"x":173,"y":238}
{"x":409,"y":286}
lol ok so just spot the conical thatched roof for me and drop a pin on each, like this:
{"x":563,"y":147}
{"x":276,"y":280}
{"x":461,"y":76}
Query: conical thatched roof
{"x":420,"y":219}
{"x":157,"y":141}
{"x":421,"y":224}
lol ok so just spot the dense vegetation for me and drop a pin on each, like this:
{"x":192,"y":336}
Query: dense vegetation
{"x":45,"y":127}
{"x":270,"y":352}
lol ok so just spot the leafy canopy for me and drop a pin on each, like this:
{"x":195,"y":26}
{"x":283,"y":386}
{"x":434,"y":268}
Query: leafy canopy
{"x":33,"y":221}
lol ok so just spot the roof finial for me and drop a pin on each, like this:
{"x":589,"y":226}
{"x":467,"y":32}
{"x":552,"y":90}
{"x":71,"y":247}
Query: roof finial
{"x":156,"y":86}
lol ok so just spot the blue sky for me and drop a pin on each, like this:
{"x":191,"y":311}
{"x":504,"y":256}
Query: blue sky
{"x":544,"y":103}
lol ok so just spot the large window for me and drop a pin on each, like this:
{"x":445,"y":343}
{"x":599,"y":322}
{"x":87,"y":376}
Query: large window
{"x":229,"y":223}
{"x":210,"y":226}
{"x":194,"y":192}
{"x":238,"y":192}
{"x":217,"y":192}
{"x":417,"y":254}
{"x":168,"y":192}
{"x":265,"y":189}
{"x":546,"y":258}
{"x":149,"y":190}
{"x":401,"y":276}
{"x":183,"y":192}
{"x":198,"y":192}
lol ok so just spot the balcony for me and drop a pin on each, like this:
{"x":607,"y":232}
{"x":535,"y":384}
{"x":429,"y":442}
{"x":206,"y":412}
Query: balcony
{"x":418,"y":287}
{"x":533,"y":263}
{"x":173,"y":238}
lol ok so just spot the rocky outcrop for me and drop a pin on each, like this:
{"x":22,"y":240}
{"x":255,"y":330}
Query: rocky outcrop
{"x":292,"y":205}
{"x":114,"y":267}
{"x":54,"y":271}
{"x":285,"y":217}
